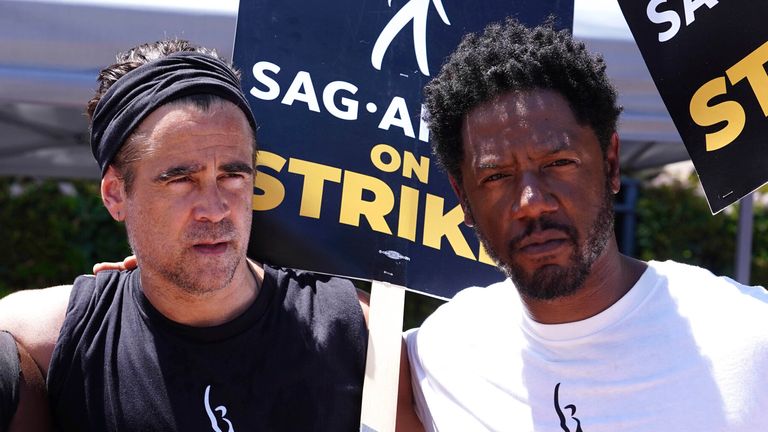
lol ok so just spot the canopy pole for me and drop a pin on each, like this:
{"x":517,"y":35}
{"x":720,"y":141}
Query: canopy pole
{"x":744,"y":239}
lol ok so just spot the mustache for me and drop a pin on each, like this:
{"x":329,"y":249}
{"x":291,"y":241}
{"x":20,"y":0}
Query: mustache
{"x":205,"y":232}
{"x":541,"y":224}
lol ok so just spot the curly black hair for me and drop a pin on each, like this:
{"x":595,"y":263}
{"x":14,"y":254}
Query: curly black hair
{"x":512,"y":57}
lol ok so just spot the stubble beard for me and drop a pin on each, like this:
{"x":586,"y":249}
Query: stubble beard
{"x":550,"y":282}
{"x":195,"y":278}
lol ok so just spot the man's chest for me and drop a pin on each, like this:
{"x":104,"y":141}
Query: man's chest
{"x":212,"y":387}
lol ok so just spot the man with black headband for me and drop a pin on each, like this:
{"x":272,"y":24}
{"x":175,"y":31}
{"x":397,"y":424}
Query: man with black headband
{"x":198,"y":337}
{"x":579,"y":337}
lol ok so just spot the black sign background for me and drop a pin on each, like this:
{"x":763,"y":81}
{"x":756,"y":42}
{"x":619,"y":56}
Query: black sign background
{"x":333,"y":41}
{"x":717,"y":39}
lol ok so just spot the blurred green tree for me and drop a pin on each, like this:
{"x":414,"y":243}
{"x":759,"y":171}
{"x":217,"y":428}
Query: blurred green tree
{"x":52,"y":231}
{"x":674,"y":222}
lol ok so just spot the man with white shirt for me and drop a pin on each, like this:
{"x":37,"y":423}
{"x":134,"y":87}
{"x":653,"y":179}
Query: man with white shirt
{"x":580,"y":337}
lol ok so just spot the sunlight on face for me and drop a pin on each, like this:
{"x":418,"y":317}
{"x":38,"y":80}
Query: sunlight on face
{"x":189,"y":215}
{"x":534,"y":182}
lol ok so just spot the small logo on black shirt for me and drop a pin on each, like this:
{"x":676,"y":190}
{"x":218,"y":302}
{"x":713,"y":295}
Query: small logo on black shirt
{"x":569,"y":407}
{"x":221,"y":410}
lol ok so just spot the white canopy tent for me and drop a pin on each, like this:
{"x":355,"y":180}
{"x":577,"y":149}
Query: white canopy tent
{"x":51,"y":51}
{"x":50,"y":54}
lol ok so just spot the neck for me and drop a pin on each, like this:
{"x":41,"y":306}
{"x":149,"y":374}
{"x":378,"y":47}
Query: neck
{"x":207,"y":309}
{"x":612,"y":275}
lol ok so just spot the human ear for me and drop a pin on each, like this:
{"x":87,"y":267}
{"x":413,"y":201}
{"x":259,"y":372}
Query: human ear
{"x":469,"y":220}
{"x":113,"y":194}
{"x":612,"y":162}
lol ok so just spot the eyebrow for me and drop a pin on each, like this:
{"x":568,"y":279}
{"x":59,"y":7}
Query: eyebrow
{"x":555,"y":149}
{"x":559,"y":147}
{"x":237,"y":167}
{"x":177,"y":171}
{"x":184,"y":170}
{"x":487,"y":165}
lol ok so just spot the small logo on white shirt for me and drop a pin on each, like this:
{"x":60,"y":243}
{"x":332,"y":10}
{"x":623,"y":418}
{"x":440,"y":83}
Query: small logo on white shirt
{"x":561,"y":415}
{"x":221,"y":410}
{"x":416,"y":11}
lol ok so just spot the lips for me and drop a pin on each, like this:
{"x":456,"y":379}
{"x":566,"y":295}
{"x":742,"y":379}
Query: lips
{"x":212,"y":248}
{"x":542,"y":243}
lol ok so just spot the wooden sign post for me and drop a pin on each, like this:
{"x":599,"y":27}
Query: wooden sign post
{"x":382,"y":367}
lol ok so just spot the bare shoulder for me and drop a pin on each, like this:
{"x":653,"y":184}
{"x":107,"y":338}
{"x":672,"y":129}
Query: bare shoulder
{"x":34,"y":318}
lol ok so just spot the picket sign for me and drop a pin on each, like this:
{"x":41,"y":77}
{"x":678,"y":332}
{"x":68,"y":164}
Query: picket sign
{"x":336,"y":86}
{"x":344,"y":154}
{"x":707,"y":59}
{"x":382,"y":366}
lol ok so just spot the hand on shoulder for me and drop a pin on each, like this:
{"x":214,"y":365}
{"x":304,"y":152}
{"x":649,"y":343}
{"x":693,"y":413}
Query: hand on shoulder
{"x":129,"y":263}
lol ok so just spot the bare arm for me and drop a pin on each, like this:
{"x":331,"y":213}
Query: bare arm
{"x":32,"y":413}
{"x":34,"y":318}
{"x":407,"y":420}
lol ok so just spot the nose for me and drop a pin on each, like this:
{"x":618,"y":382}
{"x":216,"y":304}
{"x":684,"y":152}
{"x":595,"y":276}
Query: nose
{"x":533,"y":198}
{"x":212,"y":205}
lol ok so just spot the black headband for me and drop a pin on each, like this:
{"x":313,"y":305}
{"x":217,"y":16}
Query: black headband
{"x":139,"y":92}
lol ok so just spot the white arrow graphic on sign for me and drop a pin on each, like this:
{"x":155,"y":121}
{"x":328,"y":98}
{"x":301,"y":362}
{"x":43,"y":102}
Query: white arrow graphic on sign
{"x":416,"y":11}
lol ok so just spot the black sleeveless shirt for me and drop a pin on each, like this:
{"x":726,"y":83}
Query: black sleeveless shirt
{"x":294,"y":361}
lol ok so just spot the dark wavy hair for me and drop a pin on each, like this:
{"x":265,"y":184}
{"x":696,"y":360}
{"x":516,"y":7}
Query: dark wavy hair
{"x":512,"y":57}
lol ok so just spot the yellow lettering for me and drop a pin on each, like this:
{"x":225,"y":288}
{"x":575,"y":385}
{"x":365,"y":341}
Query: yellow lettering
{"x":353,"y":206}
{"x":272,"y":191}
{"x":409,"y":211}
{"x":315,"y":176}
{"x":752,"y":67}
{"x":381,"y":149}
{"x":705,"y":115}
{"x":420,"y":168}
{"x":437,"y":225}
